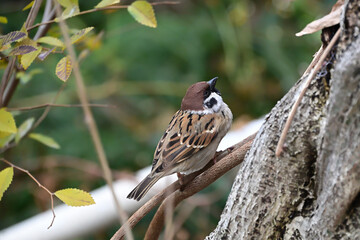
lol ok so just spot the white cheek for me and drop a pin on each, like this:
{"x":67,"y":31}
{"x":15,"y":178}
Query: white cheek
{"x":219,"y":102}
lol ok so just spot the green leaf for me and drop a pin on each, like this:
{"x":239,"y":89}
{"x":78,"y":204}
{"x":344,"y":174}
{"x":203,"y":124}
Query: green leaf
{"x":24,"y":129}
{"x":3,"y":20}
{"x":75,"y":197}
{"x":64,"y":68}
{"x":51,"y":41}
{"x":4,"y":141}
{"x":143,"y":12}
{"x":105,"y":3}
{"x":71,"y":8}
{"x":26,"y":76}
{"x":7,"y":123}
{"x":29,"y":5}
{"x":12,"y":37}
{"x":80,"y":34}
{"x":6,"y":177}
{"x":21,"y":50}
{"x":28,"y":58}
{"x":48,"y":141}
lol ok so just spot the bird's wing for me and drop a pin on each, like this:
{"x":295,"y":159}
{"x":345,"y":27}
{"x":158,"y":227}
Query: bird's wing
{"x":186,"y":135}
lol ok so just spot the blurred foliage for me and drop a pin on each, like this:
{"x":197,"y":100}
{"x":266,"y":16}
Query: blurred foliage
{"x":250,"y":45}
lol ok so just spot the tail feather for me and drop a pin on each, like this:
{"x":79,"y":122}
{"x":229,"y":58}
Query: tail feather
{"x":143,"y":187}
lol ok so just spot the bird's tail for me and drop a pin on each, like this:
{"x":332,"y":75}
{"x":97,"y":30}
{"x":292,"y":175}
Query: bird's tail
{"x":143,"y":187}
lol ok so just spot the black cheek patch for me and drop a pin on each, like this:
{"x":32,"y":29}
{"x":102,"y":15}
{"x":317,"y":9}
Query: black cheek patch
{"x":211,"y":103}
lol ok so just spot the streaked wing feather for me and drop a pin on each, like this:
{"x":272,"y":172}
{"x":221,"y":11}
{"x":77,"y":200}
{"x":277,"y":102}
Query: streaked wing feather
{"x":186,"y":135}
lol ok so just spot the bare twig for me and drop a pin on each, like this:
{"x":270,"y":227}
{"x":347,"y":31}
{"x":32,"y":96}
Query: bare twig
{"x":47,"y":109}
{"x":89,"y":119}
{"x":279,"y":147}
{"x":60,"y":105}
{"x":204,"y":177}
{"x":38,"y":183}
{"x":101,"y":9}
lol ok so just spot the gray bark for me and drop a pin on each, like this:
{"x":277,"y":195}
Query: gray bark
{"x":312,"y":190}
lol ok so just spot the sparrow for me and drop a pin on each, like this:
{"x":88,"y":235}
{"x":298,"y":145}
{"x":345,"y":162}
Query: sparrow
{"x":192,"y":137}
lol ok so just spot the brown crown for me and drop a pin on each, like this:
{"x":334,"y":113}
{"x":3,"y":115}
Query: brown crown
{"x":194,"y":97}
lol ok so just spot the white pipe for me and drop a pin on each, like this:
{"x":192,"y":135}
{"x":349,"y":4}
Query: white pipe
{"x":72,"y":222}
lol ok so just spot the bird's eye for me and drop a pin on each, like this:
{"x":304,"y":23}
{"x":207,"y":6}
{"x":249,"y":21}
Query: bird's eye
{"x":207,"y":93}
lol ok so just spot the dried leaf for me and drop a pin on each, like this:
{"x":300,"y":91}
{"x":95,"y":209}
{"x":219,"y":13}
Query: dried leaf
{"x":12,"y":37}
{"x":28,"y":58}
{"x":143,"y":12}
{"x":6,"y":177}
{"x":7,"y":123}
{"x":51,"y":41}
{"x":48,"y":141}
{"x":44,"y":54}
{"x":21,"y":50}
{"x":328,"y":20}
{"x":64,"y":68}
{"x":105,"y":3}
{"x":75,"y":197}
{"x":80,"y":34}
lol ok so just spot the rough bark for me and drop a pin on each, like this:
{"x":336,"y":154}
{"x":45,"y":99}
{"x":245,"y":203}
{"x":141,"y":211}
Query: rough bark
{"x":312,"y":190}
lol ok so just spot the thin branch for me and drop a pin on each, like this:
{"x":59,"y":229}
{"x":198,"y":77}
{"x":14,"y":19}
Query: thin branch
{"x":100,"y":9}
{"x":61,"y":105}
{"x":201,"y":179}
{"x":89,"y":119}
{"x":47,"y":109}
{"x":38,"y":183}
{"x":5,"y":97}
{"x":199,"y":183}
{"x":279,"y":147}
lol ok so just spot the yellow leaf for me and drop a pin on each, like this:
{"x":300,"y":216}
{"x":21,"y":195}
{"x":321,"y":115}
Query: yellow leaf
{"x":29,"y":5}
{"x":51,"y":41}
{"x":6,"y":177}
{"x":80,"y":34}
{"x":105,"y":3}
{"x":28,"y":58}
{"x":65,"y":3}
{"x":26,"y":41}
{"x":7,"y":124}
{"x":75,"y":197}
{"x":64,"y":68}
{"x":71,"y":8}
{"x":12,"y":37}
{"x":143,"y":12}
{"x":24,"y":129}
{"x":21,"y":50}
{"x":48,"y":141}
{"x":3,"y":20}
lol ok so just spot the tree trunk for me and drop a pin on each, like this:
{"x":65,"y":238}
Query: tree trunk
{"x":312,"y":190}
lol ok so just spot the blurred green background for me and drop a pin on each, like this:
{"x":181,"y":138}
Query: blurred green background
{"x":250,"y":45}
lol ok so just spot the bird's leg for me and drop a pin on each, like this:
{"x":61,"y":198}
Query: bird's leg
{"x":181,"y":180}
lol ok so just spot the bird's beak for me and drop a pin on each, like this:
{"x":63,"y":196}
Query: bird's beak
{"x":212,"y":83}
